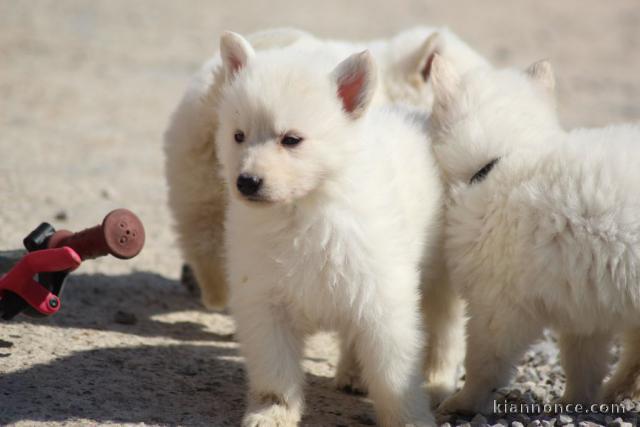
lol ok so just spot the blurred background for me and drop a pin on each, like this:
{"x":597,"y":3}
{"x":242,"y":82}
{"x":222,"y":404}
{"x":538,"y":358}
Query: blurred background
{"x":86,"y":89}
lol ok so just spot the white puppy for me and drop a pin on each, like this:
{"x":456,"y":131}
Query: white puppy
{"x":196,"y":195}
{"x":542,"y":230}
{"x":198,"y":198}
{"x":330,"y":214}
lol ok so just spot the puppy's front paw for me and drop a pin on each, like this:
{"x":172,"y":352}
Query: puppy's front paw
{"x":270,"y":411}
{"x":272,"y":416}
{"x":463,"y":403}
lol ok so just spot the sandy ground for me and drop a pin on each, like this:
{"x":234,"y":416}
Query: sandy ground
{"x":85,"y":92}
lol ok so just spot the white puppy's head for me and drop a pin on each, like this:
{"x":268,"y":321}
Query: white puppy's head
{"x":408,"y":63}
{"x":487,"y":113}
{"x":287,"y":120}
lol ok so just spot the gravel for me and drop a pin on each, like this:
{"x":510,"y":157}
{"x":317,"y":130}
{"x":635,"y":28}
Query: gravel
{"x":539,"y":379}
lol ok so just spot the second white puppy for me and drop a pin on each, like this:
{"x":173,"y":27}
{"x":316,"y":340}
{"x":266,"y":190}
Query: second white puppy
{"x":545,"y":221}
{"x":329,"y":213}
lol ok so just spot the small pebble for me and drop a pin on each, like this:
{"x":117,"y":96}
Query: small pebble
{"x":444,"y":418}
{"x":523,"y":418}
{"x":61,"y":216}
{"x":514,"y":394}
{"x":540,"y":394}
{"x":478,"y":419}
{"x":106,"y":193}
{"x":125,"y":318}
{"x":516,"y":424}
{"x":564,"y":419}
{"x":534,"y":423}
{"x":628,"y":404}
{"x":619,"y":422}
{"x":528,"y":398}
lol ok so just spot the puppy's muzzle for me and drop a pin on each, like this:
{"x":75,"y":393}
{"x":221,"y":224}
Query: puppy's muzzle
{"x":248,"y":185}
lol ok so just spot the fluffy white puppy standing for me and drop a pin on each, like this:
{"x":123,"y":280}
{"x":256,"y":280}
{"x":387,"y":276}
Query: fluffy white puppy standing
{"x":331,"y":207}
{"x":198,"y":198}
{"x":542,"y":230}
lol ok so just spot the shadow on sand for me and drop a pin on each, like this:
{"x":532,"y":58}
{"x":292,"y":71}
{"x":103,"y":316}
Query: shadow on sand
{"x":91,"y":301}
{"x":190,"y":384}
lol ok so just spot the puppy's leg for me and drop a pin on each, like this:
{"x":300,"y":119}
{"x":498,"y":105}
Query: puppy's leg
{"x":197,"y":193}
{"x":625,"y":382}
{"x":497,"y":338}
{"x":444,"y":314}
{"x":389,"y":348}
{"x":348,"y":374}
{"x":272,"y":350}
{"x":585,"y":361}
{"x":198,"y":200}
{"x":208,"y":268}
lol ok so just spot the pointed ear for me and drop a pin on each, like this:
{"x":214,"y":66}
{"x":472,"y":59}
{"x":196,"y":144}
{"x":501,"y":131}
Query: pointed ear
{"x":425,"y":54}
{"x":235,"y":52}
{"x":542,"y":74}
{"x":356,"y":81}
{"x":446,"y":86}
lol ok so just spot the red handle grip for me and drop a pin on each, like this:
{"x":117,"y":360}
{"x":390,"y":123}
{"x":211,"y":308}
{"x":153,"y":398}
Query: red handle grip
{"x":121,"y":234}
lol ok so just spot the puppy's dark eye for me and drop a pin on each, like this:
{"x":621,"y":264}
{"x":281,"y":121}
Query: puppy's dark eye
{"x":239,"y":136}
{"x":290,"y":140}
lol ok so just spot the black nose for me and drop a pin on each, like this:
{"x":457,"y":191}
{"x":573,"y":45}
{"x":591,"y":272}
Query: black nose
{"x":248,"y":184}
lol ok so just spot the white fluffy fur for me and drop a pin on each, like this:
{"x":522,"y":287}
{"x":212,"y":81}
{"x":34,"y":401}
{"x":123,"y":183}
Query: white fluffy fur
{"x":196,"y":194}
{"x":198,"y":199}
{"x":551,"y":237}
{"x":334,"y":237}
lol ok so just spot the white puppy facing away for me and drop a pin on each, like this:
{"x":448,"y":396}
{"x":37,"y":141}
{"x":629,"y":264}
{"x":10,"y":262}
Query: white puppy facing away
{"x":542,"y":230}
{"x":333,"y":207}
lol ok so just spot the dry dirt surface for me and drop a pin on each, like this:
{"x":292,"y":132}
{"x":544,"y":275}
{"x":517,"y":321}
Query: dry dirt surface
{"x":85,"y":92}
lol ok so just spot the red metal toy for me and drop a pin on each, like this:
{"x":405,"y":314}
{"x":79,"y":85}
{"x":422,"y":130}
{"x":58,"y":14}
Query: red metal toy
{"x":34,"y":284}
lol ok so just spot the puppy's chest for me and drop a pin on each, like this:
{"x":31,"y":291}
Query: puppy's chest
{"x":319,"y":265}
